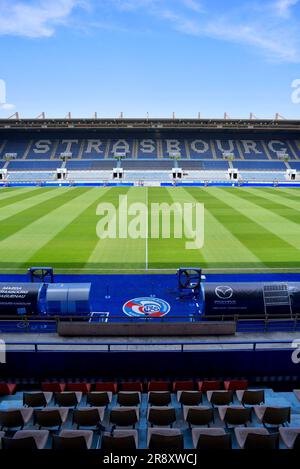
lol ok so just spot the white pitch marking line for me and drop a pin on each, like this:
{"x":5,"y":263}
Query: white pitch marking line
{"x":147,"y":231}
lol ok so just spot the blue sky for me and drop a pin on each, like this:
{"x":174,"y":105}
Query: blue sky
{"x":155,"y":56}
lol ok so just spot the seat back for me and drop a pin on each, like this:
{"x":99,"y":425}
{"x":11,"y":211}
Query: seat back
{"x":255,"y":441}
{"x":128,"y":398}
{"x":11,"y":418}
{"x":163,"y":416}
{"x":106,"y":386}
{"x":238,"y":416}
{"x":132,"y":386}
{"x":209,"y":385}
{"x":27,"y":442}
{"x":190,"y":398}
{"x":124,"y":417}
{"x":159,"y":398}
{"x":98,"y":399}
{"x":34,"y":399}
{"x":236,"y":384}
{"x":86,"y":417}
{"x":210,"y":442}
{"x":277,"y":415}
{"x":166,"y":442}
{"x":48,"y":418}
{"x":81,"y":387}
{"x":200,"y":416}
{"x":54,"y":386}
{"x":221,"y":397}
{"x":253,"y":397}
{"x":118,"y":443}
{"x":183,"y":386}
{"x":74,"y":442}
{"x":66,"y":399}
{"x":158,"y":386}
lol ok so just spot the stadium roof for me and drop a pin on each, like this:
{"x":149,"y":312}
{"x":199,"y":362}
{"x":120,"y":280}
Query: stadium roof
{"x":159,"y":124}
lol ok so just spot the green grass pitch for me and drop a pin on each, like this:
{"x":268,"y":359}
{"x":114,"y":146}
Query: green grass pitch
{"x":245,"y":229}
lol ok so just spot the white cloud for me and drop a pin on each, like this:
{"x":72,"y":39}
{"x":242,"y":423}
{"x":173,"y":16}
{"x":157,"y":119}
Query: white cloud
{"x":7,"y":106}
{"x":265,"y":26}
{"x":194,"y":5}
{"x":3,"y":103}
{"x":268,"y":27}
{"x":283,"y":7}
{"x":36,"y":18}
{"x":276,"y":45}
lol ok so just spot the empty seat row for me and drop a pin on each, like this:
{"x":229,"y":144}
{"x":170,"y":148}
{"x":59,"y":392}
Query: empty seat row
{"x":113,"y":387}
{"x":129,"y":416}
{"x":133,"y":398}
{"x":157,"y":439}
{"x":138,"y":386}
{"x":237,"y":415}
{"x":207,"y":385}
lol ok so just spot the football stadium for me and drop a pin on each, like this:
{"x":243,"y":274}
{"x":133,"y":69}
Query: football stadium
{"x":149,"y":251}
{"x":149,"y":266}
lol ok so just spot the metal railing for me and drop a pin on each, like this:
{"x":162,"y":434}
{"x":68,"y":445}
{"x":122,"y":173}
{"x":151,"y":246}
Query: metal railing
{"x":210,"y":346}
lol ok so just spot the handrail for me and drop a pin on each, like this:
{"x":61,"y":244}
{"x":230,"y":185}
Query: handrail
{"x":220,"y":317}
{"x":183,"y":346}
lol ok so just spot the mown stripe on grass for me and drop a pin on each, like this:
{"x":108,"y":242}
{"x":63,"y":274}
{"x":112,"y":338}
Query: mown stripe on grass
{"x":18,"y":207}
{"x":256,"y":230}
{"x":120,"y":252}
{"x":274,"y":203}
{"x":169,"y":253}
{"x":13,"y":199}
{"x":17,"y":222}
{"x":292,"y":195}
{"x":294,"y":192}
{"x":12,"y":192}
{"x":283,"y":239}
{"x":71,"y":247}
{"x":221,"y":244}
{"x":21,"y":246}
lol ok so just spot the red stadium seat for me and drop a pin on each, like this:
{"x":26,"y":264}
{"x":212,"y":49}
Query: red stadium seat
{"x":108,"y":386}
{"x":158,"y":386}
{"x":236,"y":385}
{"x":82,"y":387}
{"x":183,"y":386}
{"x":54,"y":386}
{"x":7,"y":389}
{"x":212,"y":385}
{"x":131,"y":386}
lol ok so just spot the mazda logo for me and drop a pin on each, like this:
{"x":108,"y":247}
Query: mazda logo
{"x":224,"y":292}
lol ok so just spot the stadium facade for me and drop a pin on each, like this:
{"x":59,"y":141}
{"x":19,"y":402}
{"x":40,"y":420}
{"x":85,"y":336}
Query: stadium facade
{"x":149,"y":151}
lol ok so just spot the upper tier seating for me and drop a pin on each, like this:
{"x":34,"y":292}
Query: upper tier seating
{"x":33,"y":146}
{"x":33,"y":165}
{"x":90,"y":165}
{"x":260,"y":165}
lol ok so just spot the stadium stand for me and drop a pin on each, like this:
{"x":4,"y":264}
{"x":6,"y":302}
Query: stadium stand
{"x":33,"y":165}
{"x":86,"y":165}
{"x":261,"y":166}
{"x":131,"y":146}
{"x":78,"y":424}
{"x":148,"y":152}
{"x":34,"y":176}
